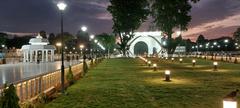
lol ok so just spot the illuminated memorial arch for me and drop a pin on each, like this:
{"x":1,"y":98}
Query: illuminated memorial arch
{"x":147,"y":42}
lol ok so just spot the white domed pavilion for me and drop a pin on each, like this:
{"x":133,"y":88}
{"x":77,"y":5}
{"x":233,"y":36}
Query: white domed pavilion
{"x":39,"y":49}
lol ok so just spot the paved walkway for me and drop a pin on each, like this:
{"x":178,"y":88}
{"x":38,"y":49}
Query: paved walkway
{"x":15,"y":72}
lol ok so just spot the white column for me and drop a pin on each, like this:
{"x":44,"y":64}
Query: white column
{"x":24,"y":56}
{"x":31,"y":56}
{"x":46,"y":55}
{"x":36,"y":55}
{"x":27,"y":56}
{"x":52,"y":54}
{"x":43,"y":56}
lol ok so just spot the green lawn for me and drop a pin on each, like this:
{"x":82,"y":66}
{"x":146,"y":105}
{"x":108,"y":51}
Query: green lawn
{"x":129,"y":83}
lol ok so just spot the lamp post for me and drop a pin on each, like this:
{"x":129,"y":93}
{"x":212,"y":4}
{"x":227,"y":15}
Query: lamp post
{"x":167,"y":75}
{"x":61,"y":6}
{"x":84,"y":28}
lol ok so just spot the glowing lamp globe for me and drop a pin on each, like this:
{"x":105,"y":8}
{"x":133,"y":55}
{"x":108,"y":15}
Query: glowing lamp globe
{"x":61,"y":6}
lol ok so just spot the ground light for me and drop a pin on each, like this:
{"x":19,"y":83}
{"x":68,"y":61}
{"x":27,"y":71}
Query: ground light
{"x":215,"y":64}
{"x":172,"y":59}
{"x":149,"y":63}
{"x":154,"y":67}
{"x":167,"y":75}
{"x":193,"y":62}
{"x":230,"y":101}
{"x":229,"y":104}
{"x":180,"y":60}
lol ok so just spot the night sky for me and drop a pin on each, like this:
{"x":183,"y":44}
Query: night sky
{"x":212,"y":18}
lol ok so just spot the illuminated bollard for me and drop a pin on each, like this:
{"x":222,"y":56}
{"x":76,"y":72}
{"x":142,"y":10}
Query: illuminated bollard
{"x":149,"y":63}
{"x":180,"y":60}
{"x":167,"y":75}
{"x":235,"y":60}
{"x":193,"y":62}
{"x":172,"y":59}
{"x":154,"y":67}
{"x":215,"y":64}
{"x":230,"y":101}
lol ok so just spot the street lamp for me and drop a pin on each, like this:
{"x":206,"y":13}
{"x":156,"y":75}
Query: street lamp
{"x":61,"y":6}
{"x":84,"y":28}
{"x":92,"y":37}
{"x":172,"y":59}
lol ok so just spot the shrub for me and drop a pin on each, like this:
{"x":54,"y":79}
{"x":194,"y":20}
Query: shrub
{"x":9,"y":98}
{"x":70,"y":76}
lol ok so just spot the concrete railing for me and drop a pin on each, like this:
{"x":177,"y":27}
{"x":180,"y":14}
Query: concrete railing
{"x":32,"y":87}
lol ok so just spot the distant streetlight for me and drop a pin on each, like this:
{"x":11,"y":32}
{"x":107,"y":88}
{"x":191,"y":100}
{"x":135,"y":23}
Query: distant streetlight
{"x":215,"y":43}
{"x":96,"y":41}
{"x":84,"y":28}
{"x":61,"y":6}
{"x":92,"y":37}
{"x":226,"y":41}
{"x":172,"y":59}
{"x":81,"y":47}
{"x":179,"y":33}
{"x":59,"y":44}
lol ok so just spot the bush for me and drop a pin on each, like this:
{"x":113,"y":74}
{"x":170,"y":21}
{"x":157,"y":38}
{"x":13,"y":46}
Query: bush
{"x":70,"y":76}
{"x":9,"y":98}
{"x":85,"y":67}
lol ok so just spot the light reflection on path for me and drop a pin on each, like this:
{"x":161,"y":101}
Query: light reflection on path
{"x":15,"y":72}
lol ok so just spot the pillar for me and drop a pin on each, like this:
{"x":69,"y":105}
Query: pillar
{"x":36,"y":55}
{"x":46,"y":55}
{"x":27,"y":56}
{"x":52,"y":55}
{"x":24,"y":56}
{"x":31,"y":56}
{"x":42,"y":55}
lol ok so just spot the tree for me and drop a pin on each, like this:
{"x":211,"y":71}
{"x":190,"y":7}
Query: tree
{"x":236,"y":35}
{"x":127,"y":16}
{"x":43,"y":34}
{"x":108,"y":41}
{"x":10,"y":98}
{"x":201,"y":39}
{"x":3,"y":38}
{"x":51,"y":38}
{"x":171,"y":14}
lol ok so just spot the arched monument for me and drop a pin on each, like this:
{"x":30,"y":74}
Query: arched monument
{"x":153,"y":40}
{"x":38,"y":50}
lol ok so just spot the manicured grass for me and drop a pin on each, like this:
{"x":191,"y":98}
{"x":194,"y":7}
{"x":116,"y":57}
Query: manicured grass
{"x":129,"y":83}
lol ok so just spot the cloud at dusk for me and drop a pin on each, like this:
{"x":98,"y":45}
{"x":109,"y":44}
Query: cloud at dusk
{"x":212,"y":18}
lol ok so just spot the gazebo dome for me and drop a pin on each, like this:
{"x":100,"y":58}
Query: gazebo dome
{"x":38,"y":41}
